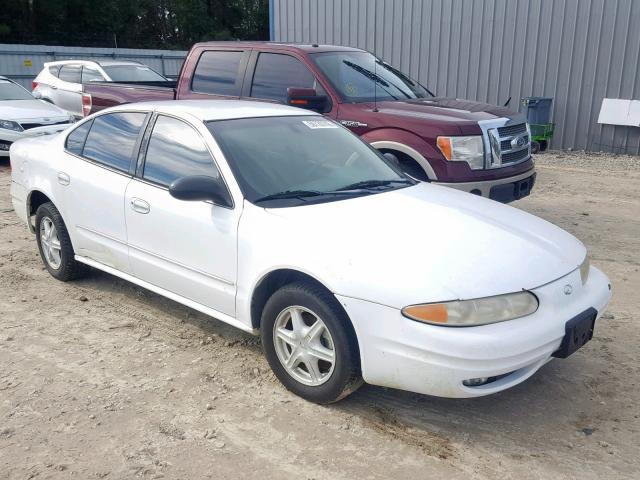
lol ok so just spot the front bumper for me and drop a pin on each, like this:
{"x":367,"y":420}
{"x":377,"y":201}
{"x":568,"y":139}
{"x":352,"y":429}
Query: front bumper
{"x":400,"y":353}
{"x":502,"y":190}
{"x":7,"y":137}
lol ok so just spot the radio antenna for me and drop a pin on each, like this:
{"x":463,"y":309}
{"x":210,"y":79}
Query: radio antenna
{"x":375,"y":56}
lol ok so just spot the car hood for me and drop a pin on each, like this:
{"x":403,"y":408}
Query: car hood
{"x":30,"y":110}
{"x":441,"y":109}
{"x":424,"y":243}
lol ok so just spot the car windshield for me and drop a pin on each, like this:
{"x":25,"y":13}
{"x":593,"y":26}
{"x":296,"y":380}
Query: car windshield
{"x":11,"y":91}
{"x":286,"y":161}
{"x":361,"y":77}
{"x":132,"y":73}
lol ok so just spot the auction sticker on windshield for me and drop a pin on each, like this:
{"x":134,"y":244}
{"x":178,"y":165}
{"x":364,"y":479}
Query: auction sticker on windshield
{"x":319,"y":124}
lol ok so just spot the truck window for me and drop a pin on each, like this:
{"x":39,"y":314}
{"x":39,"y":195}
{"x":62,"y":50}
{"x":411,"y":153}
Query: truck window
{"x":176,"y":150}
{"x":70,"y":73}
{"x":276,"y":72}
{"x":217,"y":73}
{"x":112,"y":139}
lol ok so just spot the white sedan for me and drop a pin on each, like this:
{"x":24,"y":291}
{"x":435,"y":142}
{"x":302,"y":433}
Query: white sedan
{"x":282,"y":223}
{"x":21,"y":115}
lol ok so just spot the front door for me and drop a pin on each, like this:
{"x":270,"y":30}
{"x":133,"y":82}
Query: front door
{"x":186,"y":247}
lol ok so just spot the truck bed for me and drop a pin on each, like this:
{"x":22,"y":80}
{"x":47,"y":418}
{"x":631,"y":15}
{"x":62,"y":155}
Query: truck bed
{"x":108,"y":94}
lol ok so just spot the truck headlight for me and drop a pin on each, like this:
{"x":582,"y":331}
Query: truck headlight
{"x":10,"y":125}
{"x":480,"y":311}
{"x":463,"y":149}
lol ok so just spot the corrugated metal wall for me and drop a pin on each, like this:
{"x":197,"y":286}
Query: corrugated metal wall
{"x":576,"y":51}
{"x":23,"y":62}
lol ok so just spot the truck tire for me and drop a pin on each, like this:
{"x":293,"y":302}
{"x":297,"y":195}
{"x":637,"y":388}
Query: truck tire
{"x":309,"y":343}
{"x":54,"y":244}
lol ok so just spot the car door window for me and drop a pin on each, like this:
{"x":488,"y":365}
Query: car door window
{"x":70,"y":73}
{"x":112,"y":139}
{"x":76,"y":139}
{"x":275,"y":73}
{"x":217,"y":72}
{"x":176,"y":150}
{"x":91,"y":74}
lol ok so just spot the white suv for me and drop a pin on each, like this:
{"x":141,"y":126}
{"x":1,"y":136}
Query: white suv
{"x":61,"y":82}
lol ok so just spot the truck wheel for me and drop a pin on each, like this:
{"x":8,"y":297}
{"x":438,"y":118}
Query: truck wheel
{"x":55,"y":245}
{"x":309,"y":344}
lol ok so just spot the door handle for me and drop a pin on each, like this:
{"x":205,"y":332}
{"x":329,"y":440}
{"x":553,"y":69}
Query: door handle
{"x":63,"y":178}
{"x":140,"y":206}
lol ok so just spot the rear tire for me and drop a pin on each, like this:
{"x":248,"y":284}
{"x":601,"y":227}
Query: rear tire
{"x":303,"y":325}
{"x":54,"y":244}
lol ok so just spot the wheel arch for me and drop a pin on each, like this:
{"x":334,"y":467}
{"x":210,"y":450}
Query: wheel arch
{"x":34,"y":200}
{"x":410,"y":152}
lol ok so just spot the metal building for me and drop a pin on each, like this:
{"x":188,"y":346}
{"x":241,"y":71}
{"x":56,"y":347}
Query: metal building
{"x":22,"y":63}
{"x":576,"y":51}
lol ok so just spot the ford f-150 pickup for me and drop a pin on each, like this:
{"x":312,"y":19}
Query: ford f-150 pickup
{"x":476,"y":147}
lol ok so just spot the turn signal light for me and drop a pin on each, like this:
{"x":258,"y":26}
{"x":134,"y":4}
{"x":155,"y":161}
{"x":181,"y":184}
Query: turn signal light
{"x":34,"y":85}
{"x":444,"y":144}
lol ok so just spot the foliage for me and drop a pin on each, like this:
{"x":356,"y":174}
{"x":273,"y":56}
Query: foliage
{"x":132,"y":23}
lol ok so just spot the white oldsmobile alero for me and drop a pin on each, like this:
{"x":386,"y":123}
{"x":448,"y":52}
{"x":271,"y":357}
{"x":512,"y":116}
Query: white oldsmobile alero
{"x":281,"y":222}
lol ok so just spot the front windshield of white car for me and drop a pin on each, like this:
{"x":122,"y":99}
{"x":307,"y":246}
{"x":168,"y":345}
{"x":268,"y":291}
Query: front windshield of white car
{"x":11,"y":91}
{"x":287,"y":161}
{"x":132,"y":73}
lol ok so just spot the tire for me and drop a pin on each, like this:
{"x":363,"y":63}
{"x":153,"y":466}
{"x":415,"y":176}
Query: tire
{"x":329,"y":382}
{"x":543,"y":145}
{"x":61,"y":265}
{"x":535,"y":147}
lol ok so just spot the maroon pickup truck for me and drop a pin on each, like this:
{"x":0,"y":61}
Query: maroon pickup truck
{"x":480,"y":148}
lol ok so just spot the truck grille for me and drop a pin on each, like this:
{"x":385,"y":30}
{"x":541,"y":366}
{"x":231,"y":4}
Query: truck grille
{"x":509,"y":144}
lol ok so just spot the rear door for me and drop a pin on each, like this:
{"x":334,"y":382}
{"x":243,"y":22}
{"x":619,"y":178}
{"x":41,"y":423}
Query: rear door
{"x":69,"y":92}
{"x":218,"y":74}
{"x":100,"y":158}
{"x":186,"y":247}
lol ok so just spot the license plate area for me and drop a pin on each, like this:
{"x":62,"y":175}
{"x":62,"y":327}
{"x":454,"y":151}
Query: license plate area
{"x":578,"y":331}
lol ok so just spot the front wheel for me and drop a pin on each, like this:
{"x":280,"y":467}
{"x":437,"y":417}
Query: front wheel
{"x":309,"y":343}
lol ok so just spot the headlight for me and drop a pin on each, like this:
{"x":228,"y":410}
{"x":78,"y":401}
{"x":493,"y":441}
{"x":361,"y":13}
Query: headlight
{"x":9,"y":125}
{"x":463,"y":149}
{"x":481,"y":311}
{"x":585,"y":266}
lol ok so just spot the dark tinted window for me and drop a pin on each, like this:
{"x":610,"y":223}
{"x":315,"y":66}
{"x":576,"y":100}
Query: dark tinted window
{"x":91,"y":74}
{"x":275,"y":73}
{"x":112,"y":138}
{"x":70,"y":73}
{"x":217,"y":72}
{"x":54,"y":70}
{"x":176,"y":150}
{"x":75,"y":140}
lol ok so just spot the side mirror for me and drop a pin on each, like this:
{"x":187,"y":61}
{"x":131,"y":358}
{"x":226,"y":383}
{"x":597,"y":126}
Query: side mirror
{"x":306,"y":98}
{"x":201,"y":187}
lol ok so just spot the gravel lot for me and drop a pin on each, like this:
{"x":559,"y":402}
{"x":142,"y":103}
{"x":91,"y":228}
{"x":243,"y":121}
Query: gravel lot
{"x":102,"y":379}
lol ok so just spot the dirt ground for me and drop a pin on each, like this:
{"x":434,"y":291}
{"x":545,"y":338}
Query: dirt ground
{"x":102,"y":379}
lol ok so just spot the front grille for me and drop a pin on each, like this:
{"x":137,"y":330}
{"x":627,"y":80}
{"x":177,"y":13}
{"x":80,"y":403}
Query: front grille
{"x":511,"y":130}
{"x":516,"y":156}
{"x":27,"y":126}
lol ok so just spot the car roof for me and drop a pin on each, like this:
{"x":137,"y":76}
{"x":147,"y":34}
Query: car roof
{"x":208,"y":110}
{"x":305,"y":47}
{"x":102,"y":63}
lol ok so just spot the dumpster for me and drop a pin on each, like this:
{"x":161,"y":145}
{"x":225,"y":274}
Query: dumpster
{"x":538,"y":113}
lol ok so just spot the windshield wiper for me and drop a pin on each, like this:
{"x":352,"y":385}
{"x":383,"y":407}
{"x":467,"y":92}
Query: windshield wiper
{"x":301,"y":194}
{"x":365,"y":184}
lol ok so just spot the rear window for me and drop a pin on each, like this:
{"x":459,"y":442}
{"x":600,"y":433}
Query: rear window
{"x":54,"y":70}
{"x":218,"y":73}
{"x":112,"y":139}
{"x":132,"y":73}
{"x":70,"y":73}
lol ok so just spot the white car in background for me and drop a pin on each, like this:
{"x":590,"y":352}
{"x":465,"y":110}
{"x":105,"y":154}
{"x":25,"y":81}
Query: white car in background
{"x":282,"y":222}
{"x":61,"y":82}
{"x":21,"y":115}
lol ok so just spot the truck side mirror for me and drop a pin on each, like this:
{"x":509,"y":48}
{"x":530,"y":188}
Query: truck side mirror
{"x":306,"y":98}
